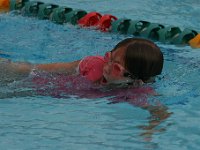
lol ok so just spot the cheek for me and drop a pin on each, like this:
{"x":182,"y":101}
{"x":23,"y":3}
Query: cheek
{"x":112,"y":72}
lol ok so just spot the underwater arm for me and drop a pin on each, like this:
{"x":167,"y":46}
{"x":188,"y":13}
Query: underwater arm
{"x":158,"y":114}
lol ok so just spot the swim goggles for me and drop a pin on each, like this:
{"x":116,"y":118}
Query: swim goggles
{"x":118,"y":67}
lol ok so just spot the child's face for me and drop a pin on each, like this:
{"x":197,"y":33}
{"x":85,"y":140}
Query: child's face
{"x":114,"y":67}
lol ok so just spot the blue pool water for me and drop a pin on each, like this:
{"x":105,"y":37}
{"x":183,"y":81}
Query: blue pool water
{"x":29,"y":122}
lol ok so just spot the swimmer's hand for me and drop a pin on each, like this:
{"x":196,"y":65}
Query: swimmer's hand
{"x":11,"y":71}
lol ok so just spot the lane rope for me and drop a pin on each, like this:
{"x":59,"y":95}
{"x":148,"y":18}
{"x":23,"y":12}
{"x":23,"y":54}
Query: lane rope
{"x":105,"y":23}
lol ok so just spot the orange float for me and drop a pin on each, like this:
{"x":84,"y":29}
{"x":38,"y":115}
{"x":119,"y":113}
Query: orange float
{"x":195,"y":42}
{"x":4,"y":5}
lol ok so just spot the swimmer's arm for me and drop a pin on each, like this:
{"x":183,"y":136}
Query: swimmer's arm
{"x":60,"y":68}
{"x":11,"y":71}
{"x":158,"y":114}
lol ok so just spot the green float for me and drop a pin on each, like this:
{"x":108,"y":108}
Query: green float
{"x":184,"y":37}
{"x":167,"y":34}
{"x":31,"y":8}
{"x":45,"y":10}
{"x":136,"y":27}
{"x":120,"y":26}
{"x":17,"y":5}
{"x":150,"y":31}
{"x":58,"y":14}
{"x":73,"y":16}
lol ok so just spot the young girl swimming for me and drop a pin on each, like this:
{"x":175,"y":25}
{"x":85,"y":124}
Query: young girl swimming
{"x":132,"y":60}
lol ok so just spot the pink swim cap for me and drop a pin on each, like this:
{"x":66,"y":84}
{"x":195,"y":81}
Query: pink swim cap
{"x":92,"y":67}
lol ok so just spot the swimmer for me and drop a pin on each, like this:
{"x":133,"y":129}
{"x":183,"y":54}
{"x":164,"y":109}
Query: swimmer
{"x":131,"y":60}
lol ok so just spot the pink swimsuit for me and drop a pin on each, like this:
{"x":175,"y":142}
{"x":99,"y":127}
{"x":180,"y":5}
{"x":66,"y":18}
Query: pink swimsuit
{"x":92,"y":67}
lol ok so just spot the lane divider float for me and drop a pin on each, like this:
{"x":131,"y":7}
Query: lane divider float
{"x":105,"y":23}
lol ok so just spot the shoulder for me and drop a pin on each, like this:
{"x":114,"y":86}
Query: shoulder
{"x":91,"y":61}
{"x":92,"y":67}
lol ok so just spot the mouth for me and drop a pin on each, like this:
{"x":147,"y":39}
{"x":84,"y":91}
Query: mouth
{"x":103,"y":80}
